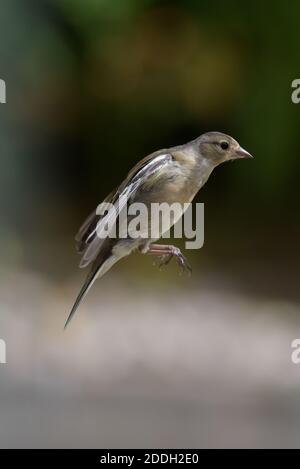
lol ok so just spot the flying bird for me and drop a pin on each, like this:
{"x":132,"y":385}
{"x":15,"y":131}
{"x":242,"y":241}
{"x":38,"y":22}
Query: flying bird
{"x":166,"y":176}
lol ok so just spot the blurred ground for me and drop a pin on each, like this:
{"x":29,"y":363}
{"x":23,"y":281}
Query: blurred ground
{"x":140,"y":367}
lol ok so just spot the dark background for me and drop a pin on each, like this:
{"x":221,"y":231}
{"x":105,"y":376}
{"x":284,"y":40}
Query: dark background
{"x":152,"y":358}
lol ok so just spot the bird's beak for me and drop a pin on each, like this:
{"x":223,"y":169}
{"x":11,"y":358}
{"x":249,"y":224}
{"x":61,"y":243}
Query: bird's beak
{"x":241,"y":153}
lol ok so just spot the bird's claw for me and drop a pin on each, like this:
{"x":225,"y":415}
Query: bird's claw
{"x":181,"y":261}
{"x":164,"y":260}
{"x":184,"y":264}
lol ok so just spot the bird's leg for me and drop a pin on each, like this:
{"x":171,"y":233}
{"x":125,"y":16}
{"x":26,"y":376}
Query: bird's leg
{"x":166,"y":253}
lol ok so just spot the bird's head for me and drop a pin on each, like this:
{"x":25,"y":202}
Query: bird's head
{"x":217,"y":148}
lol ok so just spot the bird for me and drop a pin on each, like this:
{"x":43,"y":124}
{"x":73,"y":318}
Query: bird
{"x":168,"y":175}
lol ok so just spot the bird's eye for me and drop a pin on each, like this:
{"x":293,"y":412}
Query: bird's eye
{"x":224,"y":145}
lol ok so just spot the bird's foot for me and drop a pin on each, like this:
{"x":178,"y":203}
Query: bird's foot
{"x":164,"y":260}
{"x":165,"y":253}
{"x":182,"y":262}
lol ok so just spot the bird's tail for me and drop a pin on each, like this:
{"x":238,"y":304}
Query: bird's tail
{"x":96,"y":272}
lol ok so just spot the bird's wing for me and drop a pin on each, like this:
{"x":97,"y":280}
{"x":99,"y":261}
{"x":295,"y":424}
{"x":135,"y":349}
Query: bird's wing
{"x":89,"y":239}
{"x":89,"y":225}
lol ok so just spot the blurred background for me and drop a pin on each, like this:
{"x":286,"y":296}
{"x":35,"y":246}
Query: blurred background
{"x":152,"y":359}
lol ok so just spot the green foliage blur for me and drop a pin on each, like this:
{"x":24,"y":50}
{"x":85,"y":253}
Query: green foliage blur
{"x":95,"y":85}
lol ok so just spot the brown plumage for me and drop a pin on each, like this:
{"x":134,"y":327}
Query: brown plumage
{"x":170,"y":175}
